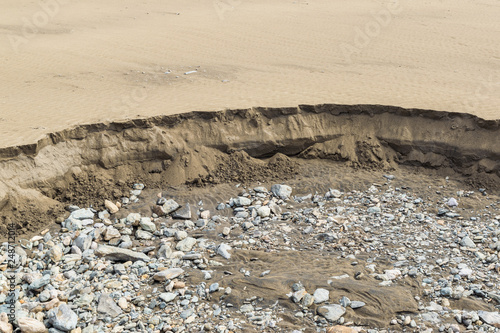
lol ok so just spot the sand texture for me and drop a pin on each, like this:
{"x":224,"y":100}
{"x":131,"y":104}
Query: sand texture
{"x":68,"y":62}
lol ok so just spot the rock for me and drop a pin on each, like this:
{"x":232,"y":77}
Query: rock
{"x":63,"y":318}
{"x":374,"y":210}
{"x":321,"y":295}
{"x":214,"y":287}
{"x":205,"y":214}
{"x":122,"y":303}
{"x":82,"y":214}
{"x":281,"y":191}
{"x":83,"y":242}
{"x":30,"y":325}
{"x":56,"y":253}
{"x":183,"y":213}
{"x":222,"y":250}
{"x":147,"y":225}
{"x":331,"y":312}
{"x":111,"y":232}
{"x":467,"y":242}
{"x":186,"y":245}
{"x":5,"y":326}
{"x":264,"y":211}
{"x":343,"y":329}
{"x":165,"y":251}
{"x":246,"y":308}
{"x":39,"y":283}
{"x":168,"y":274}
{"x":452,"y":202}
{"x":111,"y":207}
{"x":141,"y":234}
{"x":490,"y":318}
{"x":298,"y":295}
{"x":108,"y":306}
{"x":180,"y":235}
{"x":357,"y":304}
{"x":118,"y":254}
{"x":242,"y":201}
{"x":307,"y":300}
{"x":345,"y":302}
{"x":168,"y":297}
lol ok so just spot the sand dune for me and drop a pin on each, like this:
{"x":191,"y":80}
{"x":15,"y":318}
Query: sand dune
{"x":71,"y":62}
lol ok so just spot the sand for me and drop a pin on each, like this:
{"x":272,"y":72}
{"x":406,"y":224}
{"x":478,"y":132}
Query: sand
{"x":68,"y":62}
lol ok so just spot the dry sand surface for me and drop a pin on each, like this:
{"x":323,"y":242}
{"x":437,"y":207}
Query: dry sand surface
{"x":71,"y":62}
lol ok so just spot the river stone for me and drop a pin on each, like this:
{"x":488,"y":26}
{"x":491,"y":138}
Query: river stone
{"x":30,"y":325}
{"x":264,"y":211}
{"x":56,"y":253}
{"x":321,"y":295}
{"x":168,"y":274}
{"x":108,"y":306}
{"x":186,"y":245}
{"x":82,"y":214}
{"x":83,"y":242}
{"x":39,"y":283}
{"x":490,"y":318}
{"x":331,"y":312}
{"x":467,"y":242}
{"x":63,"y":318}
{"x":222,"y":250}
{"x":111,"y":207}
{"x":281,"y":191}
{"x":183,"y":213}
{"x":167,"y":297}
{"x":170,"y":206}
{"x":242,"y":201}
{"x":147,"y":225}
{"x":141,"y":234}
{"x":118,"y":254}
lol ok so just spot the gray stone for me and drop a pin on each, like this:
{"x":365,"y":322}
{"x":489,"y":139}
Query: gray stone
{"x":40,"y":283}
{"x":118,"y":254}
{"x":168,"y":297}
{"x":374,"y":210}
{"x":242,"y":201}
{"x":223,"y":249}
{"x":120,"y":269}
{"x":165,"y":251}
{"x":246,"y":308}
{"x":141,"y":234}
{"x":467,"y":242}
{"x":183,"y":213}
{"x":83,"y":242}
{"x":213,"y":287}
{"x":186,"y":245}
{"x":331,"y":312}
{"x":147,"y":225}
{"x":490,"y":318}
{"x":108,"y":306}
{"x":357,"y":304}
{"x":168,"y":274}
{"x":186,"y":313}
{"x":63,"y":318}
{"x":30,"y":325}
{"x":281,"y":191}
{"x":82,"y":214}
{"x":321,"y":295}
{"x":264,"y":211}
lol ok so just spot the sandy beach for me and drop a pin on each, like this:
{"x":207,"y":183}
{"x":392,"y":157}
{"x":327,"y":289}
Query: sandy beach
{"x":71,"y":62}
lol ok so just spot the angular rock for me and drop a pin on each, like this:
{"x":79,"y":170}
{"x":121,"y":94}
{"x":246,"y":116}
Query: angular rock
{"x":264,"y":211}
{"x":281,"y":191}
{"x":467,"y":242}
{"x":63,"y":318}
{"x":490,"y":318}
{"x":118,"y":254}
{"x":321,"y":295}
{"x":242,"y":201}
{"x":147,"y":225}
{"x":186,"y":244}
{"x":331,"y":312}
{"x":183,"y":213}
{"x":168,"y":297}
{"x":108,"y":306}
{"x":111,"y":207}
{"x":82,"y":214}
{"x":223,"y":249}
{"x":168,"y":274}
{"x":30,"y":325}
{"x":83,"y":242}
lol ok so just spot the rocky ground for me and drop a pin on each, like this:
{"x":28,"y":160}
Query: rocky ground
{"x":269,"y":259}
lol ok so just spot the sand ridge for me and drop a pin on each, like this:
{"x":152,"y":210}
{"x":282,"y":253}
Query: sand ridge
{"x":85,"y":62}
